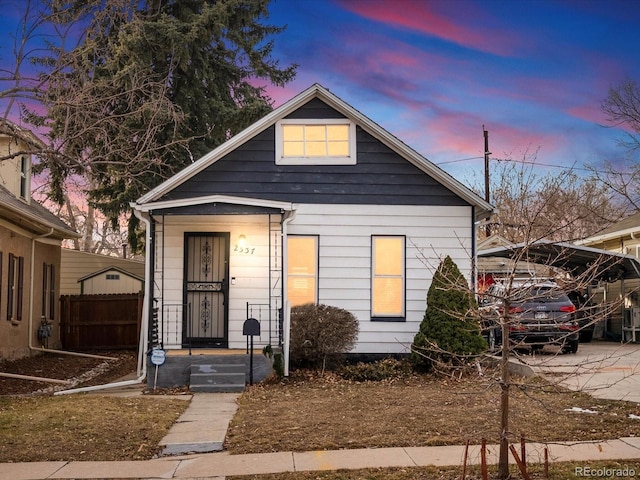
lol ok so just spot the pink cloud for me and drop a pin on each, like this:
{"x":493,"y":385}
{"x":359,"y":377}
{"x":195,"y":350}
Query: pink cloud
{"x":425,"y":18}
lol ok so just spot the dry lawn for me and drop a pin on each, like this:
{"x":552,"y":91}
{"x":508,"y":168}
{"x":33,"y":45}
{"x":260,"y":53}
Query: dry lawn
{"x":306,"y":412}
{"x":84,"y":427}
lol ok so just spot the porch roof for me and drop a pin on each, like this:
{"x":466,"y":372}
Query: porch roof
{"x":216,"y":204}
{"x":577,"y":259}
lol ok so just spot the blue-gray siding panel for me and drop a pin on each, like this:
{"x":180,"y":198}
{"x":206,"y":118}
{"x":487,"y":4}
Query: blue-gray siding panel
{"x":380,"y":177}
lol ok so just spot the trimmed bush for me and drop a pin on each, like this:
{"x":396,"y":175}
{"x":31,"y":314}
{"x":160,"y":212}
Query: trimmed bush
{"x":449,"y":334}
{"x":318,"y":331}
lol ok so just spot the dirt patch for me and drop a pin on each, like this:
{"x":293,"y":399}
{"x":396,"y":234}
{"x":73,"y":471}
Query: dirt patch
{"x":79,"y":371}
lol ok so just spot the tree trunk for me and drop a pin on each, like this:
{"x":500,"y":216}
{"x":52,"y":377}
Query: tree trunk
{"x":503,"y":460}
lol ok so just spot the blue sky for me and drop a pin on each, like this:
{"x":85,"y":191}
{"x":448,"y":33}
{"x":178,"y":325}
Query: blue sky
{"x":433,"y":72}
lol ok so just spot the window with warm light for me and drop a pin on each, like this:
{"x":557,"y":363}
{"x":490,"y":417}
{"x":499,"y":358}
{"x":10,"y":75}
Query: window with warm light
{"x":302,"y":269}
{"x":315,"y":142}
{"x":388,"y":277}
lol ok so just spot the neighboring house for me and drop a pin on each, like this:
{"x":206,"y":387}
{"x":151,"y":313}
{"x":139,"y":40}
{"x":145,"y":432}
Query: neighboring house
{"x":91,"y":273}
{"x":621,"y":237}
{"x":313,"y":203}
{"x":30,"y":244}
{"x":492,"y":269}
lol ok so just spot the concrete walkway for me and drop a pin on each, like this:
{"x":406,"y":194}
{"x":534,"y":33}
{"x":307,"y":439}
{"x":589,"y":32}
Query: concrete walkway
{"x":601,"y":369}
{"x":203,"y":426}
{"x":222,"y":464}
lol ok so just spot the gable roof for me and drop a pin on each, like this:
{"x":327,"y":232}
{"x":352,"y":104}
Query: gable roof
{"x":627,"y":226}
{"x":317,"y":91}
{"x":32,"y":216}
{"x":112,"y":268}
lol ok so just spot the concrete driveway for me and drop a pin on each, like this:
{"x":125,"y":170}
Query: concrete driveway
{"x":602,"y":369}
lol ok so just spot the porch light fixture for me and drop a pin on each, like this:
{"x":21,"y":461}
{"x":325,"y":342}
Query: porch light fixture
{"x":242,"y":241}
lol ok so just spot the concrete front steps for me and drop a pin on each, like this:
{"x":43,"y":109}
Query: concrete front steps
{"x":217,"y":378}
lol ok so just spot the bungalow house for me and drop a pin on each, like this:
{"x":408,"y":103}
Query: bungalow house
{"x":30,"y":244}
{"x":313,"y":203}
{"x":622,"y":237}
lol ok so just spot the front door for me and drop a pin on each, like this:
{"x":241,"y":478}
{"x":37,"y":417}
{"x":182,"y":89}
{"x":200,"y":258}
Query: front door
{"x":206,"y":288}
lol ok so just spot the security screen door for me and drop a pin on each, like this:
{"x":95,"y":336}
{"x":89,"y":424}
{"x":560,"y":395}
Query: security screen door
{"x":206,"y":289}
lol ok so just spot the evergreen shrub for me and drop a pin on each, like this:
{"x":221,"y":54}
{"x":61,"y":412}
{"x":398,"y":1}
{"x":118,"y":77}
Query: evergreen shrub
{"x":449,"y":334}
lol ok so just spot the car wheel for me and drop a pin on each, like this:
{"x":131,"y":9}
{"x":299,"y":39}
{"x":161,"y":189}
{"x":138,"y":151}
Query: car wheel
{"x":571,"y":347}
{"x":586,"y":336}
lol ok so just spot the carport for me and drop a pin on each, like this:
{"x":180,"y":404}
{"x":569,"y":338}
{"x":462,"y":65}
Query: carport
{"x":579,"y":261}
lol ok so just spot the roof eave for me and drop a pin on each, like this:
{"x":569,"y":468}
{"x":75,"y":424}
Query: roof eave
{"x":256,"y":202}
{"x":483,"y":209}
{"x":41,"y":224}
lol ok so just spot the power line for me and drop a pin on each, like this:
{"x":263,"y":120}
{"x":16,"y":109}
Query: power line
{"x":524,"y":162}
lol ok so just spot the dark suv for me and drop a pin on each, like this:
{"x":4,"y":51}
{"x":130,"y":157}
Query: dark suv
{"x":539,"y":314}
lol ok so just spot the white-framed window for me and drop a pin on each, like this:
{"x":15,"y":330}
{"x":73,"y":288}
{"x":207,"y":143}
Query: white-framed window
{"x":302,"y":269}
{"x":387,"y":277}
{"x":24,"y":177}
{"x":316,"y":142}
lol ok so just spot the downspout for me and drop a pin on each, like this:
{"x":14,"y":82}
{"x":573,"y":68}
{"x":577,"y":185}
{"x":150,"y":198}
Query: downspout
{"x":474,"y":254}
{"x":30,"y":326}
{"x":31,"y":284}
{"x":142,"y":354}
{"x":286,"y":309}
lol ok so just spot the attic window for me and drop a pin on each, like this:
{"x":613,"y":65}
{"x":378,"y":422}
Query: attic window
{"x":113,"y":276}
{"x":315,"y":142}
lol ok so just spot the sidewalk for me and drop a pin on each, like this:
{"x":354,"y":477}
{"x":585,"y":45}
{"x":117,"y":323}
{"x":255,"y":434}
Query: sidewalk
{"x":219,"y":465}
{"x":203,"y":426}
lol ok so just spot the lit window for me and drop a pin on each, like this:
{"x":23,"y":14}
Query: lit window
{"x":302,"y":270}
{"x":388,"y":276}
{"x":311,"y":142}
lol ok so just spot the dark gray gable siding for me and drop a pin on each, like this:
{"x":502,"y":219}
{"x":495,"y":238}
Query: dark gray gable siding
{"x":380,"y":177}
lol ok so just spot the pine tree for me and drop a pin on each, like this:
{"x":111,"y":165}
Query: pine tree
{"x":151,"y":86}
{"x":449,"y":332}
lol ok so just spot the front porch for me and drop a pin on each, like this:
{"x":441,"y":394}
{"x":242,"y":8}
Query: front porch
{"x":209,"y":370}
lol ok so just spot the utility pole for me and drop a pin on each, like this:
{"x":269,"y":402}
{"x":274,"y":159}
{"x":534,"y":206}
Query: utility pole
{"x":486,"y":176}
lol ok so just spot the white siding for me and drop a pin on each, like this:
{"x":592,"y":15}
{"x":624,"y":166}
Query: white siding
{"x":344,"y":233}
{"x":345,"y":259}
{"x":250,"y":270}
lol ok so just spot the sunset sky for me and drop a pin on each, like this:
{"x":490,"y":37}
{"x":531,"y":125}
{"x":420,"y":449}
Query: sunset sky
{"x":433,"y":72}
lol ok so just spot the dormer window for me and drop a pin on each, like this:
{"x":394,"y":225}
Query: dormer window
{"x":315,"y":142}
{"x":24,"y":178}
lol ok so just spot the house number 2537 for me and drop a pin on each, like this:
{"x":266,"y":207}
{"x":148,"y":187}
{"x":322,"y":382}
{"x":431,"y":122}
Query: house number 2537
{"x":244,"y":250}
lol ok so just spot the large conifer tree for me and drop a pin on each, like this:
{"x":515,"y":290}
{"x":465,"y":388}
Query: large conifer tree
{"x":150,"y":86}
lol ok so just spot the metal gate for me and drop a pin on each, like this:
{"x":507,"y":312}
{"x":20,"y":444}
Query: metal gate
{"x":206,"y":289}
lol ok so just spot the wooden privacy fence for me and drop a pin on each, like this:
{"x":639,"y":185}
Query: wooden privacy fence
{"x":100,"y":321}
